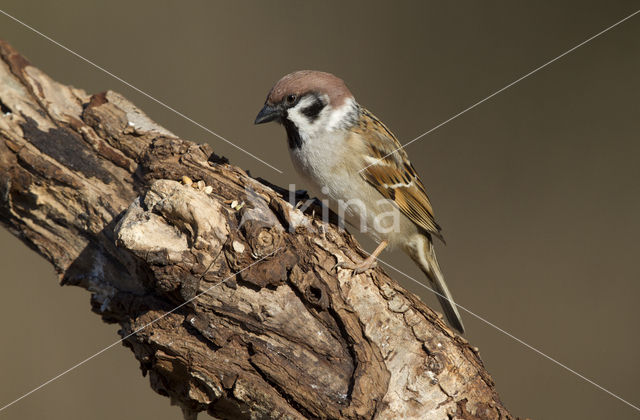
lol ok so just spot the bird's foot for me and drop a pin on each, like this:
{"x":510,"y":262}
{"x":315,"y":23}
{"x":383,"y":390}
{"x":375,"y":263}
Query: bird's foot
{"x":365,"y":265}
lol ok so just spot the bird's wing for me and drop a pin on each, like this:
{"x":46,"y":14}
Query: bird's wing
{"x":392,"y":174}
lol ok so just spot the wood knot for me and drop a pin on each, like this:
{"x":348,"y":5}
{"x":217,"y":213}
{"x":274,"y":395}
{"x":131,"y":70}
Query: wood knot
{"x":263,"y":239}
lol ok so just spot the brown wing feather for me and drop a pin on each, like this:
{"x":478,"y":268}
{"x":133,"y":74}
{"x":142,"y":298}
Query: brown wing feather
{"x":394,"y":176}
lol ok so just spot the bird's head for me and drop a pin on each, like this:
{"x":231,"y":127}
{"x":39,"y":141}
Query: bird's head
{"x":308,"y":103}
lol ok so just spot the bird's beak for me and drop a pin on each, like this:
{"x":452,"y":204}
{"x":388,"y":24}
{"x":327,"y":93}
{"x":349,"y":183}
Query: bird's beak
{"x":268,"y":113}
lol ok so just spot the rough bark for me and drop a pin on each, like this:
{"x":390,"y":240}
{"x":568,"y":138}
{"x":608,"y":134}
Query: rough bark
{"x":98,"y":189}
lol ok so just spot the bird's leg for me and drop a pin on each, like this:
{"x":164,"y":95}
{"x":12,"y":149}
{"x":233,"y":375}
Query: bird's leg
{"x":368,"y":263}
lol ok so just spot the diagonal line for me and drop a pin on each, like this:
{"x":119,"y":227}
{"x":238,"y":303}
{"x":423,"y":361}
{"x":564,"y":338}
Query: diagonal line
{"x":133,"y":333}
{"x":140,"y":91}
{"x":529,"y":346}
{"x":503,"y":89}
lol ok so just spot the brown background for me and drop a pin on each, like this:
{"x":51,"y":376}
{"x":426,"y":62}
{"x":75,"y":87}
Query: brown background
{"x":537,"y":189}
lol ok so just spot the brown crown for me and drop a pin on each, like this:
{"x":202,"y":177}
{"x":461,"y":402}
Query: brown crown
{"x":307,"y":81}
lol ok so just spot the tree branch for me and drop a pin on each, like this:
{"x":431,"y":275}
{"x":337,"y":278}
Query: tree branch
{"x":94,"y":186}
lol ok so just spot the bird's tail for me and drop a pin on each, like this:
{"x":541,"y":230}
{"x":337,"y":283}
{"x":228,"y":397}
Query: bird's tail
{"x":423,"y":253}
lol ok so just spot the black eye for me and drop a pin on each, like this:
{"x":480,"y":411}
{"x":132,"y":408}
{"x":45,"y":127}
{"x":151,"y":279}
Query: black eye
{"x":291,"y":99}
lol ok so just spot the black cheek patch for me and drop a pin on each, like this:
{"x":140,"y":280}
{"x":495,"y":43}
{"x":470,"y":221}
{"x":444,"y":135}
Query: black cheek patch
{"x":313,"y":111}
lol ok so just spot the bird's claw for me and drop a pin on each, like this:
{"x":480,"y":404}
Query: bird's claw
{"x":357,"y":268}
{"x":365,"y":267}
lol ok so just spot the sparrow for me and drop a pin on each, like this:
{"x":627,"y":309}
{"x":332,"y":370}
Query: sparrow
{"x":347,"y":155}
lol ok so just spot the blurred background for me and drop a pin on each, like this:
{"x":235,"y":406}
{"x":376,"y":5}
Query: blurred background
{"x":537,"y":189}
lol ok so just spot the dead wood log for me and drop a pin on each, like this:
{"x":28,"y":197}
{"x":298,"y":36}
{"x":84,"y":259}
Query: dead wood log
{"x":93,"y":185}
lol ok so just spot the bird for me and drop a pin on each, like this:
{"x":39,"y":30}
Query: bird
{"x":344,"y":154}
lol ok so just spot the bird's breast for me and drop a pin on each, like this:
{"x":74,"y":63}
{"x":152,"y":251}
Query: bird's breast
{"x":320,"y":160}
{"x":329,"y":169}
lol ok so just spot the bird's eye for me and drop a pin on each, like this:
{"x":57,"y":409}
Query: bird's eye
{"x":291,"y":99}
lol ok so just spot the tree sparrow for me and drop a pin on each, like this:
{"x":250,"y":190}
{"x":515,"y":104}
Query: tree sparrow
{"x":345,"y":154}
